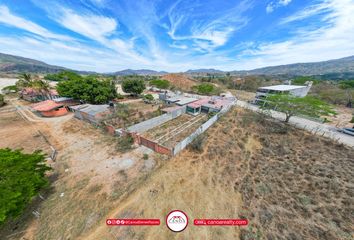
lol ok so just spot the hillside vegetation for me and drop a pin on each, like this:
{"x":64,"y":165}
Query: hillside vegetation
{"x":180,"y":81}
{"x":15,"y":64}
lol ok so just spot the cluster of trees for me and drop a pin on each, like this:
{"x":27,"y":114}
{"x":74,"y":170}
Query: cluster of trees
{"x":134,"y":86}
{"x":292,"y":106}
{"x":334,"y":92}
{"x":62,"y":76}
{"x":206,"y":89}
{"x":88,"y":89}
{"x":303,"y":79}
{"x":160,"y":83}
{"x":22,"y":176}
{"x":33,"y":81}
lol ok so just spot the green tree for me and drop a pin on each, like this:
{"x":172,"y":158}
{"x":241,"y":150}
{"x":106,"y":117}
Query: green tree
{"x":62,"y":76}
{"x":160,"y":83}
{"x":41,"y":86}
{"x":133,"y":86}
{"x":206,"y":89}
{"x":88,"y":89}
{"x":348,"y":86}
{"x":2,"y":100}
{"x":148,"y":98}
{"x":292,"y":106}
{"x":301,"y":80}
{"x":21,"y":178}
{"x":10,"y":88}
{"x":24,"y":80}
{"x":27,"y":80}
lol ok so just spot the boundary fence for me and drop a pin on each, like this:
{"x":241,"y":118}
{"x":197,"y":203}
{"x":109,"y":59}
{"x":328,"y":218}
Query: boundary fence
{"x":184,"y":143}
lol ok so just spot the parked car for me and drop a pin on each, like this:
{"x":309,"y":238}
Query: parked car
{"x":349,"y":131}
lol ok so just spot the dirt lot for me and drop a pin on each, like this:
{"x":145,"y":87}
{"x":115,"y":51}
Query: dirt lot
{"x":16,"y":133}
{"x":287,"y":183}
{"x":343,"y":117}
{"x":89,"y":176}
{"x":174,"y":131}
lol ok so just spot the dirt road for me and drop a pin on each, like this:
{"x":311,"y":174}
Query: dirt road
{"x":306,"y":124}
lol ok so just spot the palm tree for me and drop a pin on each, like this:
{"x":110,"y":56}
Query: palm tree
{"x":25,"y":80}
{"x":42,"y":86}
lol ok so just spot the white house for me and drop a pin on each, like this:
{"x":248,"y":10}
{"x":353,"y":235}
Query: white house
{"x":298,"y":91}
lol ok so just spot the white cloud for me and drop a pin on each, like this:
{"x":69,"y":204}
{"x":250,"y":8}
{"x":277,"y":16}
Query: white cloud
{"x":284,"y":2}
{"x":209,"y":34}
{"x":91,"y":26}
{"x":271,"y":6}
{"x":333,"y":40}
{"x":179,"y":46}
{"x":8,"y":18}
{"x":310,"y":11}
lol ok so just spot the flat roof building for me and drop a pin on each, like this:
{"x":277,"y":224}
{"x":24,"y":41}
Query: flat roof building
{"x":209,"y":104}
{"x":295,"y":90}
{"x":92,"y":113}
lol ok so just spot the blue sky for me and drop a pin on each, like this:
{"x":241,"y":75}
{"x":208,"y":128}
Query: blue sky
{"x":111,"y":35}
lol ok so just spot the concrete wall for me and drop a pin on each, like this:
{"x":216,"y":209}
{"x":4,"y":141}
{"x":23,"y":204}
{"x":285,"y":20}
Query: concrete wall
{"x":150,"y":144}
{"x":184,"y":143}
{"x":154,"y":122}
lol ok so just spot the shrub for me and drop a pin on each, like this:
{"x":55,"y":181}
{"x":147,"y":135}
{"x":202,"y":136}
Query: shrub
{"x":119,"y":96}
{"x":125,"y":143}
{"x":2,"y":100}
{"x":21,"y":178}
{"x":12,"y":88}
{"x":146,"y":156}
{"x":148,"y":97}
{"x":352,"y":121}
{"x":198,"y":143}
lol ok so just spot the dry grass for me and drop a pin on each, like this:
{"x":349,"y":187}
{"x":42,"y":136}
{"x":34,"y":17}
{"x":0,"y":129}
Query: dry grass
{"x":16,"y":133}
{"x":175,"y":130}
{"x":243,"y":95}
{"x":180,"y":81}
{"x":287,"y":183}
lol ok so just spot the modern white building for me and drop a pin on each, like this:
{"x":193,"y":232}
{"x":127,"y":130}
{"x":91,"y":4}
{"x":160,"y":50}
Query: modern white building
{"x":298,"y":91}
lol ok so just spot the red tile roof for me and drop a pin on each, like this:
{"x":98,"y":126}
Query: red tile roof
{"x":45,"y":106}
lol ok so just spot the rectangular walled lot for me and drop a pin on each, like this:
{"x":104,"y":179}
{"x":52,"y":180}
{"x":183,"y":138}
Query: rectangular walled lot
{"x":175,"y":130}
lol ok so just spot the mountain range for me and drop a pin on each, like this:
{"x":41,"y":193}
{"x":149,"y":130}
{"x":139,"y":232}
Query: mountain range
{"x":338,"y":68}
{"x":342,"y":65}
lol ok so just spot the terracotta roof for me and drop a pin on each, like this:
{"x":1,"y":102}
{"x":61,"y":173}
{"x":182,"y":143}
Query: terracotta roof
{"x":45,"y":106}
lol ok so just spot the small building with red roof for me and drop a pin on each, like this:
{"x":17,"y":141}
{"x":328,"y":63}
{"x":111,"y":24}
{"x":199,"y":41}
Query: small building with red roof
{"x":50,"y":108}
{"x":209,"y":104}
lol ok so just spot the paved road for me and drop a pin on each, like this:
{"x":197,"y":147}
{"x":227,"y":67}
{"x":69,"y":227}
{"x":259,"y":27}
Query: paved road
{"x":302,"y":123}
